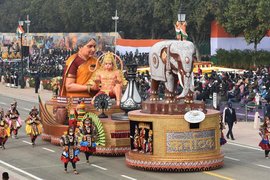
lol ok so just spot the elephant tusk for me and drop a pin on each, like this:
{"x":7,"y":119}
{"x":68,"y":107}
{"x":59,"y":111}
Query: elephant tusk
{"x":192,"y":82}
{"x":185,"y":89}
{"x":180,"y":79}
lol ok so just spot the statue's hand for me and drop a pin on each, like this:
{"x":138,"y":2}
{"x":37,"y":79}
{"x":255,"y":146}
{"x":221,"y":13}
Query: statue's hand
{"x":95,"y":87}
{"x":117,"y":81}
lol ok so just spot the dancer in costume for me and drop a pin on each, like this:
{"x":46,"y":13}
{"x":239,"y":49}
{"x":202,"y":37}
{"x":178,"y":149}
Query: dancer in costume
{"x":109,"y":78}
{"x":4,"y":130}
{"x":69,"y":142}
{"x":33,"y":125}
{"x":265,"y":134}
{"x":13,"y":119}
{"x":88,"y":135}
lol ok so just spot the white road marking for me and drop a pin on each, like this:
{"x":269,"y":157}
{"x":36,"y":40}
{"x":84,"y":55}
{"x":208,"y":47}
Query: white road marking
{"x":27,"y":109}
{"x":263,"y":166}
{"x":3,"y":103}
{"x":27,"y":142}
{"x":232,"y":158}
{"x":128,"y":177}
{"x":99,"y":167}
{"x":20,"y":170}
{"x":48,"y":149}
{"x":244,"y":146}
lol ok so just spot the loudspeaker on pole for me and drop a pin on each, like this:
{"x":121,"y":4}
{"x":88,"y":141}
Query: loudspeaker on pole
{"x":25,"y":51}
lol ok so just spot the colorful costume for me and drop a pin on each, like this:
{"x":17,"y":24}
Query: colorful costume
{"x":4,"y":130}
{"x":136,"y":139}
{"x":13,"y":119}
{"x":72,"y":120}
{"x":69,"y":142}
{"x":149,"y":145}
{"x":180,"y":30}
{"x":81,"y":112}
{"x":88,"y":134}
{"x":264,"y":144}
{"x":265,"y":134}
{"x":84,"y":73}
{"x":33,"y":125}
{"x":142,"y":140}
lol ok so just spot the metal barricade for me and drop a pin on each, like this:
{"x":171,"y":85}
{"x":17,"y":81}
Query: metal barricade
{"x":254,"y":108}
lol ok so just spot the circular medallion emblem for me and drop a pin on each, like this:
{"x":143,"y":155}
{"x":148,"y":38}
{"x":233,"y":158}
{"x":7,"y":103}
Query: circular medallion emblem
{"x":194,"y":116}
{"x":155,"y":60}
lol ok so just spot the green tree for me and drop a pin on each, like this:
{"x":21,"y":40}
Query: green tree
{"x":250,"y":17}
{"x":11,"y":11}
{"x":135,"y":18}
{"x":199,"y":17}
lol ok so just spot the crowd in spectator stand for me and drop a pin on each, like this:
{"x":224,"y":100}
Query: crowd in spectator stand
{"x":141,"y":59}
{"x":251,"y":87}
{"x":47,"y":65}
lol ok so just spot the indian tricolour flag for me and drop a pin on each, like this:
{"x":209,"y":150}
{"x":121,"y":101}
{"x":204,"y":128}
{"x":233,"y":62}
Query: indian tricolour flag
{"x":220,"y":39}
{"x":20,"y":29}
{"x":133,"y":45}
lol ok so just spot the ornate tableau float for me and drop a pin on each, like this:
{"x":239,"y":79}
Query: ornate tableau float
{"x":54,"y":115}
{"x":175,"y":133}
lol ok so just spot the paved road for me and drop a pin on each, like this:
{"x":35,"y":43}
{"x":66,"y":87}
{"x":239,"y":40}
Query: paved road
{"x":42,"y":162}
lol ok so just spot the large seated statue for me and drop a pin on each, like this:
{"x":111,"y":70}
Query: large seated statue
{"x":109,"y":78}
{"x":79,"y":69}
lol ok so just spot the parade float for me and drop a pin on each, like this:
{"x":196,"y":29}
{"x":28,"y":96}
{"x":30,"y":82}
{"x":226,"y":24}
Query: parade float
{"x":115,"y":125}
{"x":176,"y":133}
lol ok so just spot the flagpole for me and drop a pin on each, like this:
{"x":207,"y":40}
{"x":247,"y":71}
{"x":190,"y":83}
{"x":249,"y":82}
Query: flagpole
{"x":22,"y":78}
{"x":21,"y":31}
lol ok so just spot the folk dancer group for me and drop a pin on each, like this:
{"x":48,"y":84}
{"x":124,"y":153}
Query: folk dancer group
{"x":10,"y":123}
{"x":78,"y":139}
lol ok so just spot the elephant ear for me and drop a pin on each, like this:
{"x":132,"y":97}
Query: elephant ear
{"x":163,"y":54}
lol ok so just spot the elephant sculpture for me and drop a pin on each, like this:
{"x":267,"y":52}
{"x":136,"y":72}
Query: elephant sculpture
{"x":171,"y":61}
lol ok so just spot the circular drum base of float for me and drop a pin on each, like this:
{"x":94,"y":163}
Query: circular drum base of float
{"x":150,"y":163}
{"x":174,"y":144}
